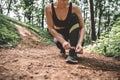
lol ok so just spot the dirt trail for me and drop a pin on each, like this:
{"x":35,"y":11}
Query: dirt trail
{"x":39,"y":62}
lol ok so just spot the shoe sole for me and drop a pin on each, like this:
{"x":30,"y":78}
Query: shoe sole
{"x":71,"y":61}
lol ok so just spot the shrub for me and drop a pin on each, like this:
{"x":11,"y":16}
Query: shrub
{"x":8,"y":34}
{"x":109,"y":44}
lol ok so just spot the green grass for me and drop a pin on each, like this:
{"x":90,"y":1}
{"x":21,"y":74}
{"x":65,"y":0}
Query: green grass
{"x":9,"y":36}
{"x":8,"y":29}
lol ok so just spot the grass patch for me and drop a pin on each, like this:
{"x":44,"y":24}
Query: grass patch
{"x":9,"y":31}
{"x":9,"y":36}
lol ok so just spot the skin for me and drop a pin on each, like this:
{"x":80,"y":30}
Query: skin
{"x":61,"y":9}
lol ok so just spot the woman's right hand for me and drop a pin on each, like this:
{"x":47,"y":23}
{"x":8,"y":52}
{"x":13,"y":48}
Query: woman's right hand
{"x":66,"y":45}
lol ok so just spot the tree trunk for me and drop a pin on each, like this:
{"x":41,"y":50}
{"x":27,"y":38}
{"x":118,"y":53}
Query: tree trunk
{"x":1,"y":11}
{"x":93,"y":32}
{"x":100,"y":15}
{"x":9,"y":6}
{"x":43,"y":14}
{"x":108,"y":18}
{"x":51,"y":1}
{"x":28,"y":9}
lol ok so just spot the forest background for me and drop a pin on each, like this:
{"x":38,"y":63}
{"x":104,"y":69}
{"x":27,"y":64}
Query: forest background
{"x":101,"y":17}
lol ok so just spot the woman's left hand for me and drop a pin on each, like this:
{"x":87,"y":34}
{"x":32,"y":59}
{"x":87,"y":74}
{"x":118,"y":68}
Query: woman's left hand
{"x":78,"y":48}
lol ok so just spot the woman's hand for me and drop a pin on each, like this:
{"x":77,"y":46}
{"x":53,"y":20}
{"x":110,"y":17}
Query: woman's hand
{"x":79,"y":49}
{"x":66,"y":45}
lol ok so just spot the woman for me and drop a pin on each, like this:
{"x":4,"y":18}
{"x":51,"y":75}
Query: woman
{"x":66,"y":24}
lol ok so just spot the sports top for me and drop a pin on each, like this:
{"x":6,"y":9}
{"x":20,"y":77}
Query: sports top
{"x":61,"y":23}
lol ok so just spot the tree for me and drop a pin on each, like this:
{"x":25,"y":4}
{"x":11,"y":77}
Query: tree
{"x":43,"y":6}
{"x":51,"y":1}
{"x":1,"y":11}
{"x":100,"y":15}
{"x":93,"y":31}
{"x":9,"y":6}
{"x":28,"y":7}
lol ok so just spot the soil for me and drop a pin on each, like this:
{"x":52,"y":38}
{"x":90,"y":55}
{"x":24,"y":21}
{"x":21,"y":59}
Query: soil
{"x":31,"y":60}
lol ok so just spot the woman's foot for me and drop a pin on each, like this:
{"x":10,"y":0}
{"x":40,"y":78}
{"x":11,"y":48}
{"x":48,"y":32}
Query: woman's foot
{"x":71,"y":60}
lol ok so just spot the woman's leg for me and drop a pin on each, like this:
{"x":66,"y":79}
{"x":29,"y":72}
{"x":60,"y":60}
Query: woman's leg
{"x":74,"y":33}
{"x":59,"y":46}
{"x":64,"y":34}
{"x":73,"y":37}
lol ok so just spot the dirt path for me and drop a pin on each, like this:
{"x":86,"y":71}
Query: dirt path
{"x":44,"y":63}
{"x":38,"y":62}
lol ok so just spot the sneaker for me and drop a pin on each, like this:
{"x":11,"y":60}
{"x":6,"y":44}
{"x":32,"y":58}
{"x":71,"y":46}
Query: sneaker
{"x":71,"y":60}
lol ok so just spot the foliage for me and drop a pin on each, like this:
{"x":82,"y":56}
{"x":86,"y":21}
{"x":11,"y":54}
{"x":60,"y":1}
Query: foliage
{"x":32,"y":11}
{"x":75,"y":1}
{"x":8,"y":34}
{"x":109,"y":44}
{"x":41,"y":33}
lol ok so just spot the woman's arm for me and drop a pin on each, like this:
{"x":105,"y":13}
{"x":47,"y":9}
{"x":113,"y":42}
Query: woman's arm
{"x":50,"y":24}
{"x":76,"y":10}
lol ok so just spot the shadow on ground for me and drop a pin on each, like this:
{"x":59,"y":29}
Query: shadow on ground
{"x":98,"y":64}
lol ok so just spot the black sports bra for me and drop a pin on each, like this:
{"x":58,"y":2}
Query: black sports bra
{"x":61,"y":23}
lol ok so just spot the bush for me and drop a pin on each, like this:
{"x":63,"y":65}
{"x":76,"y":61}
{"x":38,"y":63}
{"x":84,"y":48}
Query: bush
{"x":109,"y":44}
{"x":42,"y":34}
{"x":8,"y":34}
